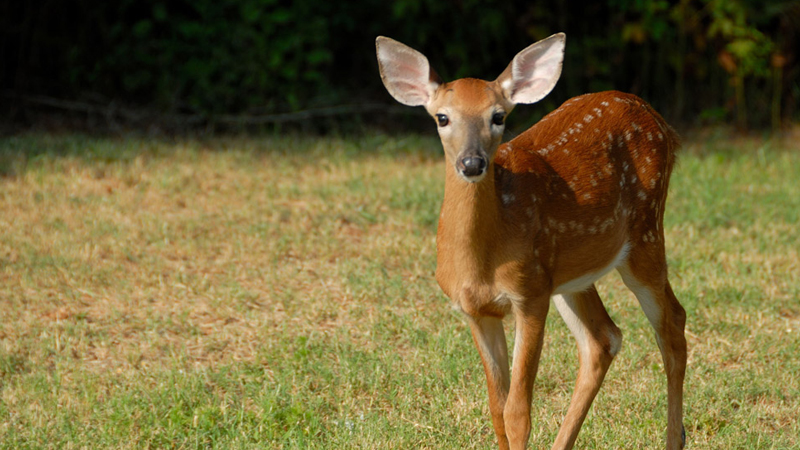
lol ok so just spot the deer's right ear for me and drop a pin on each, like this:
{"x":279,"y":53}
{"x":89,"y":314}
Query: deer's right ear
{"x":405,"y":72}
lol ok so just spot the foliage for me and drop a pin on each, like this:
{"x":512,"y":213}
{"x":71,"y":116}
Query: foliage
{"x":219,"y":55}
{"x":691,"y":58}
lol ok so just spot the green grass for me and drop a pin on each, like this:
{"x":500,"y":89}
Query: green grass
{"x":279,"y":293}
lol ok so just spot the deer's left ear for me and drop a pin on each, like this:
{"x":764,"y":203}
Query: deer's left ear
{"x":534,"y":72}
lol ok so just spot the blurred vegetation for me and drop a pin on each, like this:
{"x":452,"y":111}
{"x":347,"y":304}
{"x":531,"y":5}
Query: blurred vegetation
{"x":697,"y":61}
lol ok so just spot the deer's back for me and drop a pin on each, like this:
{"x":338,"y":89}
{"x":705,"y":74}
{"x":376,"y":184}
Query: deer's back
{"x":596,"y":162}
{"x":596,"y":148}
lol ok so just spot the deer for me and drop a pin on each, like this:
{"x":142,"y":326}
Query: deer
{"x":544,"y":216}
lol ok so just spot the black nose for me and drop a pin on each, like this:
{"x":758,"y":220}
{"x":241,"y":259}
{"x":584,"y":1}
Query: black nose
{"x":473,"y":166}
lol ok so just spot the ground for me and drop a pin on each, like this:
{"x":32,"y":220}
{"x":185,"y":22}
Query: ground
{"x":278,"y":292}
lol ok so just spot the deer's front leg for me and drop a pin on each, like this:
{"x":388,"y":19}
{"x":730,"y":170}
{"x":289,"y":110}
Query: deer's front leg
{"x":491,"y":342}
{"x":530,"y":320}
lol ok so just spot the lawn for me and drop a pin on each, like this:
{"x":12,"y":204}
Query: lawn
{"x":278,"y":292}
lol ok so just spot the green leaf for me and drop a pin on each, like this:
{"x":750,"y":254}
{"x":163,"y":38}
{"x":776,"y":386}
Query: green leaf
{"x":142,"y":28}
{"x":160,"y":12}
{"x":742,"y":48}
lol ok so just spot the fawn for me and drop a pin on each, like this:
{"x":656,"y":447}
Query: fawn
{"x":544,"y":216}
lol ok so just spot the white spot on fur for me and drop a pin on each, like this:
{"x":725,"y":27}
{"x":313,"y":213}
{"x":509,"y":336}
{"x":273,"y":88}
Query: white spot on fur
{"x":508,"y":198}
{"x":608,"y":223}
{"x":588,"y":118}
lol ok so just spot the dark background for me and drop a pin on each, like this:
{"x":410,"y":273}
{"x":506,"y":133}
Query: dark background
{"x":310,"y":64}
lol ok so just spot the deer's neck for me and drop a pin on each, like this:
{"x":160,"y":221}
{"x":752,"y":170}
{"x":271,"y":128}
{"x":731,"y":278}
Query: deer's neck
{"x":470,"y":226}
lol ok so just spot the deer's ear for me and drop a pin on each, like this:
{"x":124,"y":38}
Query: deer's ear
{"x":534,"y":72}
{"x":405,"y":72}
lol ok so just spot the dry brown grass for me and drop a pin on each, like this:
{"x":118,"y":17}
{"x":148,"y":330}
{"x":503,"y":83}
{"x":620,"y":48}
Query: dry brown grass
{"x":291,"y":279}
{"x":205,"y":252}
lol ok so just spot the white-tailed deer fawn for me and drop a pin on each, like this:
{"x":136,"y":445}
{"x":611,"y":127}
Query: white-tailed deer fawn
{"x":545,"y":215}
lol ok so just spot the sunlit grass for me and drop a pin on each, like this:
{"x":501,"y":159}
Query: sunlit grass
{"x":279,"y":293}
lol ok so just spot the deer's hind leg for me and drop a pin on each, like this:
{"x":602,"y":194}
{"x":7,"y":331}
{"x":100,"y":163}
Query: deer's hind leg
{"x":646,"y":275}
{"x":598,"y":340}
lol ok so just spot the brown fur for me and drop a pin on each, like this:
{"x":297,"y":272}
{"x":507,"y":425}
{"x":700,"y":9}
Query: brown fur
{"x":558,"y":203}
{"x":569,"y":170}
{"x":579,"y":194}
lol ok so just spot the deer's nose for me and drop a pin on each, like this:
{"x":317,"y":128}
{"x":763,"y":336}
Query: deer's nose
{"x":473,"y":166}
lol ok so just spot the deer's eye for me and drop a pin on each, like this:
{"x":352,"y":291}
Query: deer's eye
{"x":442,"y":120}
{"x":498,"y":118}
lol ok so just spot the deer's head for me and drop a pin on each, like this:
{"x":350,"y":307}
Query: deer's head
{"x":470,"y":113}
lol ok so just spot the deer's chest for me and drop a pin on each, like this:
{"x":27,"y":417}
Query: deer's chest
{"x":492,"y":291}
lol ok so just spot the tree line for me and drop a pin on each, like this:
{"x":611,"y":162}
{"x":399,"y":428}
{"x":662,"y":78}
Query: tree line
{"x":275,"y":61}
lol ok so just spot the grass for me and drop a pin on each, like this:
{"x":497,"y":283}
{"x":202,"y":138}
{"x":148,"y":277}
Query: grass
{"x":279,"y":293}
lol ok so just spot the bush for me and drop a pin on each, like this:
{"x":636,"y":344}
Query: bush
{"x":213,"y":57}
